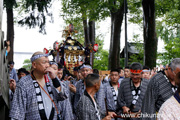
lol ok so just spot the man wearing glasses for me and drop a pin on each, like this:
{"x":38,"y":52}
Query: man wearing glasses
{"x":161,"y":87}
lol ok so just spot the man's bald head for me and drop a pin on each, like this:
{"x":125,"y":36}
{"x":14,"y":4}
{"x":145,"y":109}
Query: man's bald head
{"x":37,"y":53}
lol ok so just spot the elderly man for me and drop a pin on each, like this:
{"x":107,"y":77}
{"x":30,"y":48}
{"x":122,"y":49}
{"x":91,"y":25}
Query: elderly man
{"x":36,"y":95}
{"x":170,"y":109}
{"x":80,"y":88}
{"x":87,"y":108}
{"x":160,"y":88}
{"x":132,"y":91}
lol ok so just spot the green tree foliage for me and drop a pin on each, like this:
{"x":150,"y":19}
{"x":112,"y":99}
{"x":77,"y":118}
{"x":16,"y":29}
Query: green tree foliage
{"x":171,"y":49}
{"x":168,"y":26}
{"x":34,"y":13}
{"x":101,"y":56}
{"x":27,"y":64}
{"x":80,"y":9}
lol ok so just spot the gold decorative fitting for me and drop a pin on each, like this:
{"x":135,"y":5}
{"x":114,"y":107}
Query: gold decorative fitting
{"x":69,"y":48}
{"x":75,"y":48}
{"x":71,"y":42}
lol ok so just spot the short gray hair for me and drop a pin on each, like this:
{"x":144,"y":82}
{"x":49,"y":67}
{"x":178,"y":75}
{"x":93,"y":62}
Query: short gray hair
{"x":91,"y":80}
{"x":174,"y":64}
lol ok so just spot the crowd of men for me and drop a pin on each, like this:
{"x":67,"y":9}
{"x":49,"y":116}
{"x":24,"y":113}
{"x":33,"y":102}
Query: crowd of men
{"x":50,"y":92}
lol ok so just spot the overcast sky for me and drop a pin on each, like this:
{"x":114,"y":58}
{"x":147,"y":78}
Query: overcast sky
{"x":30,"y":40}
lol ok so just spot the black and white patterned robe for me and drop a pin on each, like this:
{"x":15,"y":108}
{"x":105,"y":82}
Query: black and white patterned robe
{"x":158,"y":91}
{"x":86,"y":108}
{"x":24,"y":104}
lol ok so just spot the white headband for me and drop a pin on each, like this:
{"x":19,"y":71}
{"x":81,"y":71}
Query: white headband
{"x":38,"y":56}
{"x":85,"y":66}
{"x":146,"y":70}
{"x":53,"y":63}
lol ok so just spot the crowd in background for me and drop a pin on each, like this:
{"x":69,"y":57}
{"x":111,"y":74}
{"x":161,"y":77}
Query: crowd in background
{"x":86,"y":94}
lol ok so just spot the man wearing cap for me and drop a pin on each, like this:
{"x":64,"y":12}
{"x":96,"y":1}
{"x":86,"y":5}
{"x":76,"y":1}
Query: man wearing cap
{"x":161,"y":87}
{"x":36,"y":94}
{"x":132,"y":91}
{"x":80,"y":88}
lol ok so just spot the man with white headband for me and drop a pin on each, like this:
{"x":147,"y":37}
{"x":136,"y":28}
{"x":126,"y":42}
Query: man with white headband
{"x":86,"y":69}
{"x":36,"y":95}
{"x":146,"y":73}
{"x":132,"y":91}
{"x":65,"y":108}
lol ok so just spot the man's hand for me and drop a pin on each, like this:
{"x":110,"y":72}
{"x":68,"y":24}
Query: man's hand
{"x":67,"y":78}
{"x":108,"y":117}
{"x":51,"y":72}
{"x":125,"y":110}
{"x":12,"y":85}
{"x":72,"y":88}
{"x":112,"y":114}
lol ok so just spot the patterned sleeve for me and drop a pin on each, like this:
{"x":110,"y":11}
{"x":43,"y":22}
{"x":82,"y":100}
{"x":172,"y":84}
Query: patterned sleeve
{"x":18,"y":108}
{"x":121,"y":101}
{"x":76,"y":95}
{"x":148,"y":105}
{"x":66,"y":110}
{"x":107,"y":96}
{"x":63,"y":94}
{"x":83,"y":111}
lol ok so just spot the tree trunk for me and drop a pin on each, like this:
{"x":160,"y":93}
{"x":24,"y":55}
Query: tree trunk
{"x":10,"y":33}
{"x":92,"y":38}
{"x":150,"y":39}
{"x":86,"y":32}
{"x":114,"y":51}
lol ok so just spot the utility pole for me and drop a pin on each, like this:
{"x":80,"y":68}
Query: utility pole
{"x":126,"y":43}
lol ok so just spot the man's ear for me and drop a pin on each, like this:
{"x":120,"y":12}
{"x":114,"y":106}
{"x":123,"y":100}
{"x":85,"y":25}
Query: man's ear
{"x":34,"y":64}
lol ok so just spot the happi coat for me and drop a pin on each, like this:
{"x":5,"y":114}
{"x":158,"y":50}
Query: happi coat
{"x":24,"y":104}
{"x":86,"y":108}
{"x":100,"y":95}
{"x":110,"y":98}
{"x":125,"y":96}
{"x":158,"y":91}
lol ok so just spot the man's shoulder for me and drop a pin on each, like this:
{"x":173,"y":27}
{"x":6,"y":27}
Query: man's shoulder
{"x":125,"y":80}
{"x":79,"y":82}
{"x":146,"y":81}
{"x":25,"y":80}
{"x":25,"y":83}
{"x":83,"y":100}
{"x":157,"y":78}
